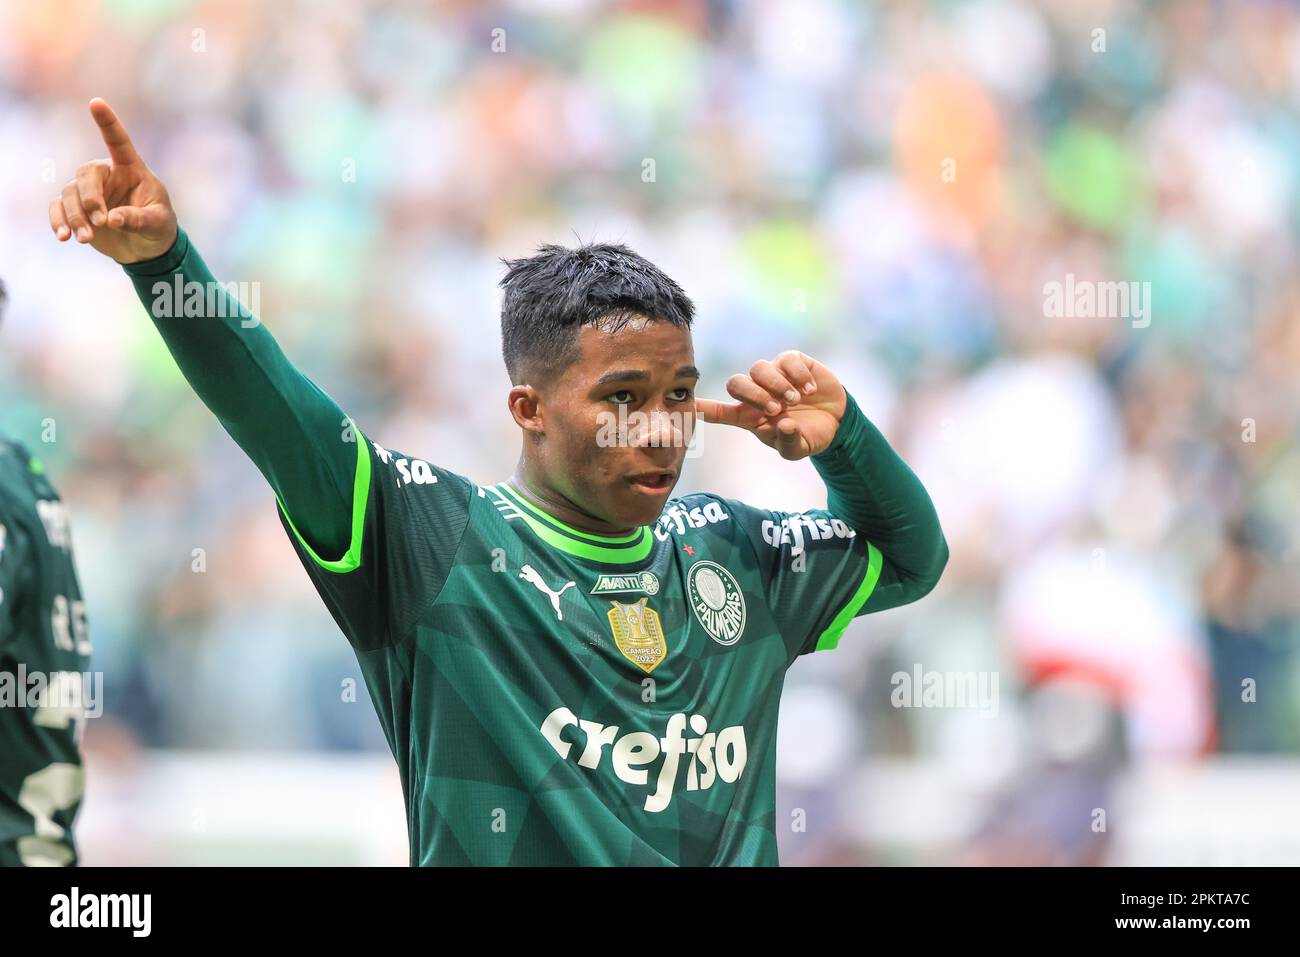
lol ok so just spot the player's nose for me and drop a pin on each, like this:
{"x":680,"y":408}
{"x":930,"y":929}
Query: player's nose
{"x":662,"y":429}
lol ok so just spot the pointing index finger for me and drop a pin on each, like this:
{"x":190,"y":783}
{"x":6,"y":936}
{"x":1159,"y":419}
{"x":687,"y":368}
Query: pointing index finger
{"x":120,"y":150}
{"x":720,"y":413}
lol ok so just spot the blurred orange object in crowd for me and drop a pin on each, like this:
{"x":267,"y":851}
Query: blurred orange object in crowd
{"x":949,"y":146}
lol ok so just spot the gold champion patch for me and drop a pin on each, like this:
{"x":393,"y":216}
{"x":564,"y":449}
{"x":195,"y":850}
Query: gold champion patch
{"x":638,"y":633}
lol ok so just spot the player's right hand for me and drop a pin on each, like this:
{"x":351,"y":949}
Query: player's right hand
{"x":117,"y":205}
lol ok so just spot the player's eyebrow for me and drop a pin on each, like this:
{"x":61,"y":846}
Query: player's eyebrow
{"x":638,"y":375}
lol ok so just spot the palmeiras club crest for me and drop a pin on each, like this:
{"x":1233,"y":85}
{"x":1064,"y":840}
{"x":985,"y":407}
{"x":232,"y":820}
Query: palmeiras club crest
{"x":717,"y":601}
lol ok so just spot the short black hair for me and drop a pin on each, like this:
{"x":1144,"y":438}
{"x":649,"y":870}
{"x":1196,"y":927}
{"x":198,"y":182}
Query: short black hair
{"x":549,"y":296}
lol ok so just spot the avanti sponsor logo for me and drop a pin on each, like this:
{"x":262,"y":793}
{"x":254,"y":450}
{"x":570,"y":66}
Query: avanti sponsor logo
{"x":647,"y":582}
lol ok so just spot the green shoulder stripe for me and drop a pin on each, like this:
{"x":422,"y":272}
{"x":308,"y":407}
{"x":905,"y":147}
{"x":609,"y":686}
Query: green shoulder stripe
{"x":360,"y":497}
{"x":831,"y":636}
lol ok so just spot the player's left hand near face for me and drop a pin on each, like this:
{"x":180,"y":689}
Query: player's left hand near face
{"x":792,"y":403}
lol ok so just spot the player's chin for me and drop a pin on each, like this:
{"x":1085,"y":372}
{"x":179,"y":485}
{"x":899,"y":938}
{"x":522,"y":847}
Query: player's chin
{"x":642,"y":496}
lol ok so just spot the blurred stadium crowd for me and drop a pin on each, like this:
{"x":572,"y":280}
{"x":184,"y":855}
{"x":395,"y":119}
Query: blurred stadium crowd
{"x":889,"y":187}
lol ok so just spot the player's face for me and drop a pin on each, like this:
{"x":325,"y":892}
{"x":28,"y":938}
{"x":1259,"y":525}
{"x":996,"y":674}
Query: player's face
{"x":619,"y":419}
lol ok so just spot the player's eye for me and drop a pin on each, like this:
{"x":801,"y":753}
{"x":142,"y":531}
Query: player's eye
{"x":682,"y":394}
{"x":621,"y":397}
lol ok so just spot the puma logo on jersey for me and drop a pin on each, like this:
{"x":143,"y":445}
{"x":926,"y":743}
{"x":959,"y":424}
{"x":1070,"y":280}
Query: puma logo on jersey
{"x":713,"y":755}
{"x":529,"y":574}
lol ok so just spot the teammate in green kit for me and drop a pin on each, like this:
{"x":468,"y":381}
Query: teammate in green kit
{"x":44,"y":659}
{"x":569,"y":665}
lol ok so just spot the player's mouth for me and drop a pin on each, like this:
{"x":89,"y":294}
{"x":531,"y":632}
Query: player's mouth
{"x":652,"y":483}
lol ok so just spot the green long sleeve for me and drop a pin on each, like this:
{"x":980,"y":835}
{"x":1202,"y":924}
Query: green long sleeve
{"x":871,"y":488}
{"x":296,"y":435}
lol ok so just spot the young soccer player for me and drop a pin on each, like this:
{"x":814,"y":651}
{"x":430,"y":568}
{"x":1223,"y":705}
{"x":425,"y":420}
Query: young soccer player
{"x":569,"y":665}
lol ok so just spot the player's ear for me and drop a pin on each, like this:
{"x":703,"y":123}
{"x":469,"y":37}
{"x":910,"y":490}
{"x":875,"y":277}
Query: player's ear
{"x":525,"y":406}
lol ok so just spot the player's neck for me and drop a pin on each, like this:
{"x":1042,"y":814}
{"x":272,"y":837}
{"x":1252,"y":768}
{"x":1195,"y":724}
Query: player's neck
{"x":557,"y":506}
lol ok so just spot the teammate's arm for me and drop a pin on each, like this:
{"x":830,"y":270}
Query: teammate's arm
{"x":295,"y":434}
{"x":798,"y":407}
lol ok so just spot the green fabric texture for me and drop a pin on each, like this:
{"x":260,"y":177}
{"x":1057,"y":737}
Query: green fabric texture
{"x":296,"y":435}
{"x":871,"y":488}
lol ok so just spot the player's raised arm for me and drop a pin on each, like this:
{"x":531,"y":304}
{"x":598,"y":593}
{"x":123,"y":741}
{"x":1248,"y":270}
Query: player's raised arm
{"x":797,"y":406}
{"x":295,"y":434}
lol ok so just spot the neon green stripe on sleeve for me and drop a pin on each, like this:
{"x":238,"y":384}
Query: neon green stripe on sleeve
{"x":831,"y":636}
{"x":360,"y":497}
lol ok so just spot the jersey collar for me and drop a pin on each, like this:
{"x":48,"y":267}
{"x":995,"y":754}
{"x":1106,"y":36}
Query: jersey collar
{"x":624,"y":550}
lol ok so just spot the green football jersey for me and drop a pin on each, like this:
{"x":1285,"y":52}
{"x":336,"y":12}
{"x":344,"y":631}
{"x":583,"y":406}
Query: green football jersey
{"x":557,"y":697}
{"x":553,"y":696}
{"x":44,"y":661}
